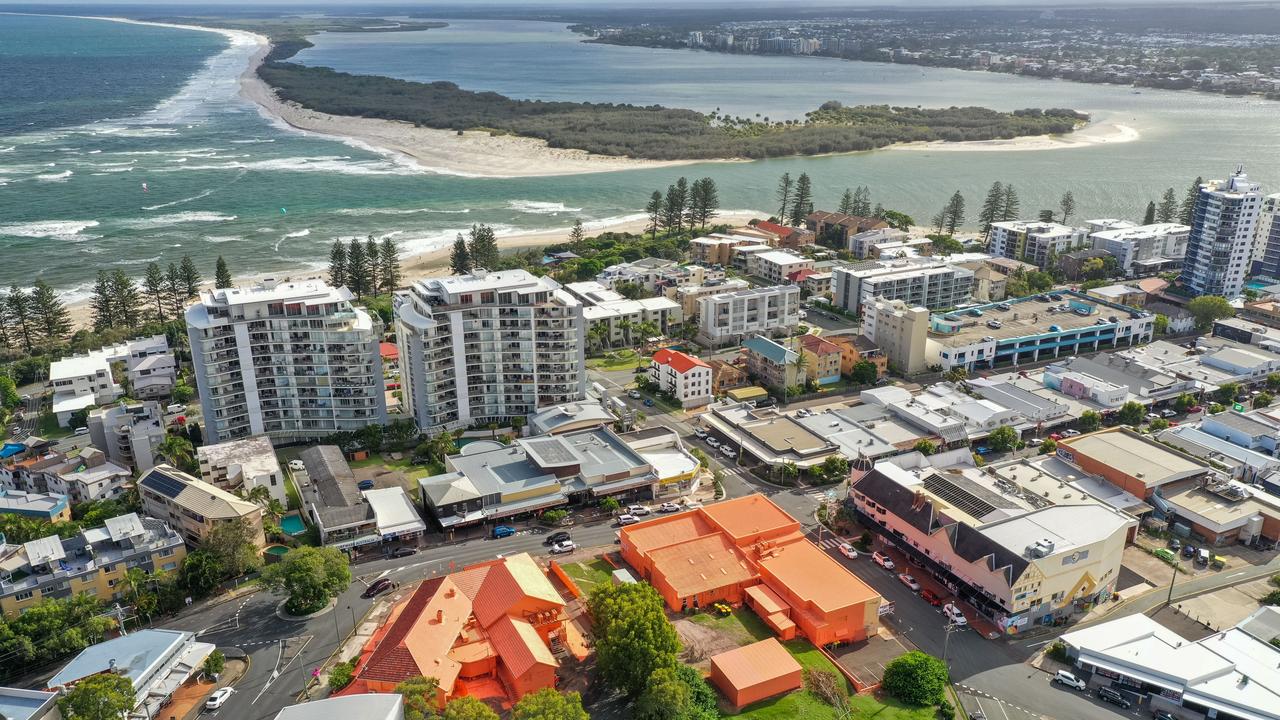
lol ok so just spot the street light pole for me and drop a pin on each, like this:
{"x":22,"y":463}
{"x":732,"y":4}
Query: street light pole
{"x":947,"y":629}
{"x":353,"y":620}
{"x":1172,"y":577}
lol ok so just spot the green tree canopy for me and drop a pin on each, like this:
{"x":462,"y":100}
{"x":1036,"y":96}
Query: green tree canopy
{"x":665,"y":697}
{"x":1227,"y":393}
{"x":633,"y":636}
{"x":106,"y":696}
{"x":468,"y":708}
{"x":1131,"y":413}
{"x":310,"y":576}
{"x":864,"y":372}
{"x":547,"y":704}
{"x":1090,"y":421}
{"x":916,"y":679}
{"x":420,"y":697}
{"x":1003,"y":438}
{"x":233,"y":545}
{"x":924,"y":446}
{"x":1208,"y":308}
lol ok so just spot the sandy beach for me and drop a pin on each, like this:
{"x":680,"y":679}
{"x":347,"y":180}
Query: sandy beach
{"x":1090,"y":135}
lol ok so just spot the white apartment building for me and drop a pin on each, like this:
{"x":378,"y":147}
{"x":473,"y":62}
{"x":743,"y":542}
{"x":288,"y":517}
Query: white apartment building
{"x":927,"y":283}
{"x":129,"y":434}
{"x":901,"y":331}
{"x":1033,"y":242}
{"x":291,"y":360}
{"x":688,"y":296}
{"x":247,"y":463}
{"x":727,"y":318}
{"x":623,"y":317}
{"x":91,"y":476}
{"x":1266,"y":246}
{"x":687,"y":378}
{"x":1220,"y":247}
{"x":776,"y":265}
{"x":83,"y":381}
{"x":484,"y":348}
{"x":1142,"y":249}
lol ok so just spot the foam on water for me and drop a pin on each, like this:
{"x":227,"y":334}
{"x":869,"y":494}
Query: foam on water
{"x":176,"y":219}
{"x":53,"y":229}
{"x":203,"y":194}
{"x":538,"y":207}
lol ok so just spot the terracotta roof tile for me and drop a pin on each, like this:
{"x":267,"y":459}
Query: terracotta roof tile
{"x":681,"y":362}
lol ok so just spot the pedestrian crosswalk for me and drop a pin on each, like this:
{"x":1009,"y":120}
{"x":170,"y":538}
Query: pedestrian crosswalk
{"x":829,"y":543}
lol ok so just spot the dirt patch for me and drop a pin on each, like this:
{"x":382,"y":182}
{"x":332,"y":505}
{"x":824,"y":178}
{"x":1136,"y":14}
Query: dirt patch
{"x":701,"y":642}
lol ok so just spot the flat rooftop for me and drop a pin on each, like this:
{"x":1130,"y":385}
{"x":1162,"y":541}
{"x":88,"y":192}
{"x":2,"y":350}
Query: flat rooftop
{"x":782,"y":433}
{"x":1135,"y":456}
{"x":1025,"y":316}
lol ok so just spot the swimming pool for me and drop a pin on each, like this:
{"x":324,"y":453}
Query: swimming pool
{"x":292,"y":524}
{"x":276,"y":550}
{"x":11,"y":449}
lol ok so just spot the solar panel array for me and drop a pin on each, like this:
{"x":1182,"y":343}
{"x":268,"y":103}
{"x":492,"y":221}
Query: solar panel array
{"x":162,"y":483}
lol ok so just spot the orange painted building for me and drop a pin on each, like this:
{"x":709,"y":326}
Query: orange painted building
{"x":484,"y":631}
{"x":749,"y":550}
{"x":755,"y":672}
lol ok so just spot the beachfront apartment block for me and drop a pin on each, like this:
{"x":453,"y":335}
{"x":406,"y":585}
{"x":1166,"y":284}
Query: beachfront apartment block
{"x":1142,"y":250}
{"x":683,"y":376}
{"x":727,"y":318}
{"x":1221,"y":244}
{"x":488,"y":347}
{"x":612,"y":319}
{"x":689,"y":295}
{"x":775,"y":266}
{"x":292,"y":360}
{"x":1266,"y":246}
{"x":147,"y":371}
{"x":194,"y":507}
{"x":247,"y":464}
{"x":129,"y":434}
{"x":1033,"y":242}
{"x":925,"y":282}
{"x":93,"y":562}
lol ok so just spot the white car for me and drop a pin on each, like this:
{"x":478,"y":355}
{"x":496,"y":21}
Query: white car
{"x":626,"y":519}
{"x":668,"y":507}
{"x":713,"y":442}
{"x":633,"y":394}
{"x":1070,"y":433}
{"x":848,"y":551}
{"x":954,"y":615}
{"x":560,"y":548}
{"x":218,"y":698}
{"x":1065,"y":678}
{"x":638,"y":510}
{"x":297,"y":465}
{"x":911,"y":582}
{"x":699,"y":432}
{"x":882,"y":560}
{"x":727,"y":451}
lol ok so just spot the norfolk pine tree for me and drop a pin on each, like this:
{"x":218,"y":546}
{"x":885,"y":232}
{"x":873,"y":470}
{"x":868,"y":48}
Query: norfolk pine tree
{"x":221,"y":274}
{"x":338,"y":264}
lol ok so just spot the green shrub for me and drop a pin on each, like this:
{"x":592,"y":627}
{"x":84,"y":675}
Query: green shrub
{"x":1058,"y":651}
{"x":916,"y":679}
{"x":553,"y":517}
{"x":341,"y":675}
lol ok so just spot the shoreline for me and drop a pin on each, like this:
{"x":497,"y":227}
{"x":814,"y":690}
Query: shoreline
{"x":1090,"y":135}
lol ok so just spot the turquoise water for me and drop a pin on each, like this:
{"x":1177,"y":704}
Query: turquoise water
{"x":277,"y":549}
{"x":292,"y":524}
{"x":223,"y":180}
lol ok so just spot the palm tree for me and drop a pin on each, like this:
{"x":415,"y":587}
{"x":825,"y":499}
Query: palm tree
{"x":625,"y":326}
{"x":177,"y":451}
{"x":799,"y":363}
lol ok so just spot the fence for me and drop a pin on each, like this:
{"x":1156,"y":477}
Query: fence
{"x":568,"y":581}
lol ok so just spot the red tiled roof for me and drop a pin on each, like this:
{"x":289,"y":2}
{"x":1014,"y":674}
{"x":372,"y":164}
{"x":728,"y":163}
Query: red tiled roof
{"x":519,"y":645}
{"x":800,"y":275}
{"x":782,"y":231}
{"x":681,"y":362}
{"x":392,"y":661}
{"x":817,"y":345}
{"x":389,"y":351}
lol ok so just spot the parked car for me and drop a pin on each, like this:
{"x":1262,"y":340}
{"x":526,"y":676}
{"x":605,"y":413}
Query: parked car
{"x":727,"y":451}
{"x":1153,"y":416}
{"x":699,"y":432}
{"x":175,"y":408}
{"x":1062,"y":677}
{"x":952,"y":611}
{"x":848,"y":551}
{"x":1202,"y":556}
{"x":713,"y":442}
{"x":1115,"y":697}
{"x":1188,"y":551}
{"x":766,"y":402}
{"x":82,"y":431}
{"x":297,"y":465}
{"x":1162,"y":715}
{"x":377,"y":587}
{"x":648,"y":402}
{"x":365,"y":485}
{"x":668,"y":507}
{"x":1070,"y":433}
{"x":909,"y":581}
{"x":560,"y":548}
{"x":501,"y":531}
{"x":633,"y":394}
{"x":404,"y":552}
{"x":930,"y":597}
{"x":1167,"y":413}
{"x":625,"y":519}
{"x":1166,"y":555}
{"x":556,"y":537}
{"x":1195,"y":409}
{"x":1175,"y":544}
{"x":882,"y":560}
{"x":638,"y":510}
{"x":218,"y":698}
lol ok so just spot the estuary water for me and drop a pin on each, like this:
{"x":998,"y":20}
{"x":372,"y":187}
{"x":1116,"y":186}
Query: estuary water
{"x":125,"y":144}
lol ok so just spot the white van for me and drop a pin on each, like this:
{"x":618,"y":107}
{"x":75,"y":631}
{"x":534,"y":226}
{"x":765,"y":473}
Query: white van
{"x":175,"y":408}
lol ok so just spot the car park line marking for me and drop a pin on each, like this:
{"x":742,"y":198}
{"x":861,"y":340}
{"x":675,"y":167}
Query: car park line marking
{"x":1045,"y":642}
{"x":1235,"y":575}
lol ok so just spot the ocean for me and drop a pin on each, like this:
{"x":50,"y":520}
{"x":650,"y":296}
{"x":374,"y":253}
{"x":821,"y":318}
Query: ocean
{"x":125,"y":144}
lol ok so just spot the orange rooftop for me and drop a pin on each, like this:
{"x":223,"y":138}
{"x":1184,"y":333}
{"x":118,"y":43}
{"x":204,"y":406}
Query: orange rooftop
{"x":749,"y":550}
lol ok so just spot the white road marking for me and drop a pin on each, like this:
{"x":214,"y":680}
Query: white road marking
{"x":274,"y":674}
{"x":1235,"y":574}
{"x":1045,"y":642}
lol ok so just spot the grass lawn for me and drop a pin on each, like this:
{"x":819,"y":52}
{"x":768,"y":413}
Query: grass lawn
{"x":743,"y":625}
{"x":589,"y":574}
{"x":614,"y":361}
{"x":48,"y":427}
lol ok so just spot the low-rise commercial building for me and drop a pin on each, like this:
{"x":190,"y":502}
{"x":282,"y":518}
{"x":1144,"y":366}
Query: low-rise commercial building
{"x":347,"y":517}
{"x":664,"y":451}
{"x":1033,"y":242}
{"x":1015,"y":556}
{"x":129,"y":434}
{"x":1228,"y":674}
{"x":728,"y":318}
{"x":755,"y":672}
{"x":155,"y":662}
{"x":558,"y":419}
{"x":1214,"y":362}
{"x":489,"y":626}
{"x":683,"y":376}
{"x":247,"y":464}
{"x":488,"y":481}
{"x":366,"y":706}
{"x":1109,"y":380}
{"x":195,"y":508}
{"x":749,"y":550}
{"x":1033,"y":328}
{"x":93,"y":562}
{"x":19,"y":704}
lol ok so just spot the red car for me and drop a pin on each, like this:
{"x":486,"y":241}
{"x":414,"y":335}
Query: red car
{"x":930,"y":597}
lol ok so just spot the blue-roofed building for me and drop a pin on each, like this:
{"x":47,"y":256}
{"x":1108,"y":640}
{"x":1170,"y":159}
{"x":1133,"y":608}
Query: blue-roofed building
{"x":18,"y":704}
{"x":156,"y":661}
{"x":770,"y":363}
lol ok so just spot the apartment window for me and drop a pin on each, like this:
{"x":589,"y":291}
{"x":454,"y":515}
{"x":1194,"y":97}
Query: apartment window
{"x":23,"y":596}
{"x":166,"y":552}
{"x":169,"y":566}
